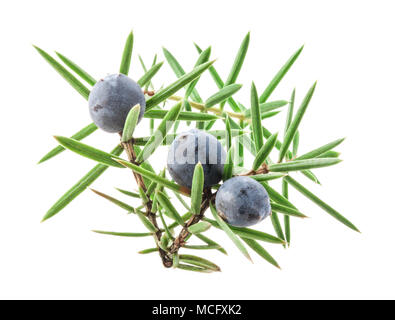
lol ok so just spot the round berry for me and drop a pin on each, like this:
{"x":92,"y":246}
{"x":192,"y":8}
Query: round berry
{"x":242,"y":202}
{"x":192,"y":147}
{"x":111,"y":100}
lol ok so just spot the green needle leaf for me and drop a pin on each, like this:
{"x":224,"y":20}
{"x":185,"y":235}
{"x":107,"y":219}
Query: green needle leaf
{"x":174,"y":64}
{"x":222,"y":95}
{"x":124,"y":234}
{"x":200,"y":227}
{"x":167,"y":230}
{"x":261,"y":251}
{"x":142,"y":63}
{"x":165,"y":93}
{"x":143,"y":196}
{"x":147,"y":83}
{"x":184,"y":115}
{"x":329,"y":154}
{"x":295,"y":143}
{"x":148,"y":224}
{"x":80,"y":186}
{"x":238,"y":62}
{"x":319,"y":151}
{"x":176,"y":260}
{"x":287,"y":220}
{"x":228,"y":167}
{"x":152,"y":176}
{"x":267,"y":107}
{"x":246,"y":141}
{"x":199,"y":262}
{"x":84,"y":132}
{"x":146,"y":78}
{"x":264,"y":152}
{"x":277,"y":197}
{"x":72,"y":80}
{"x":278,"y":77}
{"x":197,"y":189}
{"x":228,"y":133}
{"x":83,"y":74}
{"x":212,"y":70}
{"x":193,"y":268}
{"x":130,"y":123}
{"x":287,"y":210}
{"x":297,"y":165}
{"x":203,"y":58}
{"x":154,"y":208}
{"x":149,"y":250}
{"x":160,"y":134}
{"x":288,"y":120}
{"x":320,"y":203}
{"x":202,"y":247}
{"x":167,"y":205}
{"x":270,"y":114}
{"x":295,"y":123}
{"x":256,"y":118}
{"x":88,"y":151}
{"x":224,"y":226}
{"x":249,"y":233}
{"x":268,"y":176}
{"x":277,"y":225}
{"x":164,"y":242}
{"x":154,"y":186}
{"x":127,"y":55}
{"x":128,"y":193}
{"x":117,"y":202}
{"x":210,"y":242}
{"x":155,"y":59}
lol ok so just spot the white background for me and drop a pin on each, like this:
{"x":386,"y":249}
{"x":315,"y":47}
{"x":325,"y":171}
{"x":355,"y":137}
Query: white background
{"x":349,"y":49}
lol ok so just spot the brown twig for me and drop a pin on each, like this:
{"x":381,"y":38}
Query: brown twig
{"x":181,"y":239}
{"x":166,"y":259}
{"x":262,"y":170}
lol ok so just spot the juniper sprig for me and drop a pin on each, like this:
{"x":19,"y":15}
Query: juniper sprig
{"x":117,"y":104}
